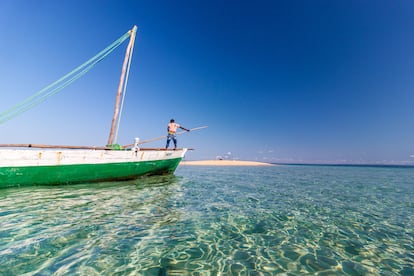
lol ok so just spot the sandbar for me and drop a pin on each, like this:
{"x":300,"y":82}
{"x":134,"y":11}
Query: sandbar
{"x":224,"y":163}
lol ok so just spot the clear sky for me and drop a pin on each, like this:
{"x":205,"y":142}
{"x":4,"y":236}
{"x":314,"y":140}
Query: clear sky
{"x":279,"y":81}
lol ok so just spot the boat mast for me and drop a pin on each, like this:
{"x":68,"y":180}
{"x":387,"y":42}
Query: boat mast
{"x":121,"y":85}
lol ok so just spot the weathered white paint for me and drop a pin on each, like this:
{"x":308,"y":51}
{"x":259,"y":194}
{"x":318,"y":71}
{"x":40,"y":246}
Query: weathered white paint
{"x":52,"y":157}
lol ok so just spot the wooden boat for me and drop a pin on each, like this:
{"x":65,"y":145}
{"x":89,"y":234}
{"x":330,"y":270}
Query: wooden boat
{"x":30,"y":164}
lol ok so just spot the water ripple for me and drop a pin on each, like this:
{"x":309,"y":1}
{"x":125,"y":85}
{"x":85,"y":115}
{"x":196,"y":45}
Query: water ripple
{"x":212,"y":221}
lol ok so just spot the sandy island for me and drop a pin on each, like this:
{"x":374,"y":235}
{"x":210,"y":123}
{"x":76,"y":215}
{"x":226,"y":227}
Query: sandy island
{"x":224,"y":163}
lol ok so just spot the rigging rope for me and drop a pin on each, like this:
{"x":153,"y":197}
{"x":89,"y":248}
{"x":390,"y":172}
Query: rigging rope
{"x":61,"y":83}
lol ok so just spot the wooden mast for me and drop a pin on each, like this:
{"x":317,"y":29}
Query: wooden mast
{"x":121,"y":85}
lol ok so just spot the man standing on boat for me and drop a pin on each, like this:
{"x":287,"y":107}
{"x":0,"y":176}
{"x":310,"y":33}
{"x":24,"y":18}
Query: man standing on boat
{"x":172,"y":133}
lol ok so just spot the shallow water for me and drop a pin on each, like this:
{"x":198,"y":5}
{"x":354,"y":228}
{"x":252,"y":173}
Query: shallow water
{"x":216,"y":221}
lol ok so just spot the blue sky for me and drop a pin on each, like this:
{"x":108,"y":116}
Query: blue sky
{"x":278,"y":81}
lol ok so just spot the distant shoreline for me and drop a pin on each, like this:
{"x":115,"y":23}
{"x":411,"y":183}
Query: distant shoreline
{"x":224,"y":163}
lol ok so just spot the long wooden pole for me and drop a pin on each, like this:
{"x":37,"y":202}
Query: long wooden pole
{"x":120,"y":87}
{"x":161,"y":137}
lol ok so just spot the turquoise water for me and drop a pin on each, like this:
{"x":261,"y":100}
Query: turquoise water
{"x":290,"y":220}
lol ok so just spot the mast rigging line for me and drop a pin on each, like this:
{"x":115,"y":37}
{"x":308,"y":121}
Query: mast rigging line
{"x":61,"y":83}
{"x":133,"y":35}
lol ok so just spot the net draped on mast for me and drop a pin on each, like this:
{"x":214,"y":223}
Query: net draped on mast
{"x":61,"y":83}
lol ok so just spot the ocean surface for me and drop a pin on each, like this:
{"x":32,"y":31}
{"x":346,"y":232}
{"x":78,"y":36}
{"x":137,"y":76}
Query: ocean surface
{"x":288,"y":220}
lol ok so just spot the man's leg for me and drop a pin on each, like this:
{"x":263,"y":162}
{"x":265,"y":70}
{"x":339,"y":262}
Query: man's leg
{"x":168,"y":141}
{"x":175,"y":142}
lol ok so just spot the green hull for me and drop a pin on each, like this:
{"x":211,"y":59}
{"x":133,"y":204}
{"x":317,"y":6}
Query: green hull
{"x":72,"y":174}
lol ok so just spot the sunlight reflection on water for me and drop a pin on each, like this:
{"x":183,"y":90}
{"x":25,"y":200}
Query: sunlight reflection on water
{"x":212,"y":220}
